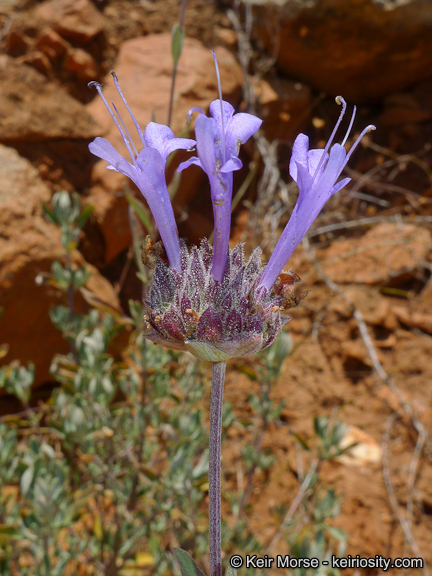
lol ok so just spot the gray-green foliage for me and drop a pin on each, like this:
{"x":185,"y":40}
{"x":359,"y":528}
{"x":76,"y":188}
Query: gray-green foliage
{"x":17,"y":380}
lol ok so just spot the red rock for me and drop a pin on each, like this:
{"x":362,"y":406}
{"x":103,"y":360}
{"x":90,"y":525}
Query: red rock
{"x":51,"y":44}
{"x":111,"y":213}
{"x":37,"y":60}
{"x":284,"y":108}
{"x":28,"y":247}
{"x":414,"y":319}
{"x":77,"y":20}
{"x":32,"y":108}
{"x":385,"y":253}
{"x":81,"y":64}
{"x":359,"y":49}
{"x":375,"y":308}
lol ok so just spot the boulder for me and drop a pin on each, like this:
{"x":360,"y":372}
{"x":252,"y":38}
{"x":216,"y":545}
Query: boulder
{"x":28,"y":247}
{"x":34,"y":109}
{"x":77,"y":20}
{"x":362,"y":49}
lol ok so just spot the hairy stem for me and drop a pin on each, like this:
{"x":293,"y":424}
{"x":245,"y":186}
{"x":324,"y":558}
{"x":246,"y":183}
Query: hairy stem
{"x":214,"y":468}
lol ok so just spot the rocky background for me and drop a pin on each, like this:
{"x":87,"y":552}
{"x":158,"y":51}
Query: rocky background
{"x":363,"y":336}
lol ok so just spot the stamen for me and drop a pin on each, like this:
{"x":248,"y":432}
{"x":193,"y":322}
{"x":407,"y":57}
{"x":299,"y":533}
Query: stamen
{"x":356,"y":143}
{"x":137,"y":126}
{"x":340,"y":101}
{"x":125,"y":129}
{"x":221,"y":106}
{"x":98,"y":87}
{"x":191,"y":111}
{"x":349,"y":127}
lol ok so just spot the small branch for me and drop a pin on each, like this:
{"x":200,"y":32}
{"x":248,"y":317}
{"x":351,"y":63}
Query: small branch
{"x":405,"y":525}
{"x":293,"y":508}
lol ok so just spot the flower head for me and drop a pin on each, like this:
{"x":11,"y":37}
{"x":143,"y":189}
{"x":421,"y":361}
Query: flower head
{"x":210,"y":301}
{"x":218,"y":141}
{"x":146,"y":169}
{"x":316,"y":172}
{"x":191,"y":310}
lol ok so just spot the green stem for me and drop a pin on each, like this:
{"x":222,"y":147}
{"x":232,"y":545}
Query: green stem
{"x":216,"y":404}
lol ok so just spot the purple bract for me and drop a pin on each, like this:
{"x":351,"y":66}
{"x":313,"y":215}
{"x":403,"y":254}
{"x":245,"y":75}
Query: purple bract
{"x":190,"y":310}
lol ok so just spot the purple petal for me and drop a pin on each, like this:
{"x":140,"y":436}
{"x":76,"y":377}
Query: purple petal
{"x":103,"y":149}
{"x":179,"y":144}
{"x":340,"y":185}
{"x":299,"y":155}
{"x":232,"y":165}
{"x":215,"y":111}
{"x":206,"y":134}
{"x":240,"y":128}
{"x":162,"y":138}
{"x":304,"y":179}
{"x":314,"y":159}
{"x":150,"y":179}
{"x":332,"y":170}
{"x":187,"y":163}
{"x":156,"y":135}
{"x":152,"y":173}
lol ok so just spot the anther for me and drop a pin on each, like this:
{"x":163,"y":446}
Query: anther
{"x":125,"y":129}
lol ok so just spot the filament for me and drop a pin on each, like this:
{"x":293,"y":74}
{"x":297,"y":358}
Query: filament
{"x":137,"y":126}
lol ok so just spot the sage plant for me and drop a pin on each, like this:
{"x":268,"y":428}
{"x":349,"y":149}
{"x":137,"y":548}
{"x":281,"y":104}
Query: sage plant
{"x":208,"y":300}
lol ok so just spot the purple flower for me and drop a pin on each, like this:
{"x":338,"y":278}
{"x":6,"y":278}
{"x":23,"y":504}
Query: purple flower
{"x":146,"y":169}
{"x":218,"y":141}
{"x":316,"y":173}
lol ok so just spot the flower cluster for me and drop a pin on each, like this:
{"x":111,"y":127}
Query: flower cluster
{"x":209,"y":301}
{"x":216,"y":320}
